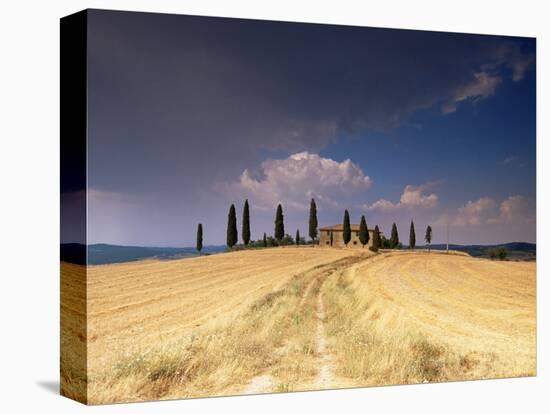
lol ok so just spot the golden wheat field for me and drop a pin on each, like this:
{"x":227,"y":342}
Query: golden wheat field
{"x":293,"y":318}
{"x":417,"y":317}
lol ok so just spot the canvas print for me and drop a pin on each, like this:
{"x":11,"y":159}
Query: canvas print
{"x":258,"y":207}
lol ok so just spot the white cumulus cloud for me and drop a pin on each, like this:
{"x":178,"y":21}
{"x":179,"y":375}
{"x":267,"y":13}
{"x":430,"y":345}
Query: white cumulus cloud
{"x":474,"y":212}
{"x":412,"y":196}
{"x":515,"y":208}
{"x":294,"y":180}
{"x":383,"y":205}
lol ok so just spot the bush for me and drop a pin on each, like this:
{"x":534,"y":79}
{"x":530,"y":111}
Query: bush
{"x":498,"y":253}
{"x":373,"y":249}
{"x":287,"y":240}
{"x":386,"y":243}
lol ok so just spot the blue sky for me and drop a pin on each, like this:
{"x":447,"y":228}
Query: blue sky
{"x":486,"y":147}
{"x":190,"y":114}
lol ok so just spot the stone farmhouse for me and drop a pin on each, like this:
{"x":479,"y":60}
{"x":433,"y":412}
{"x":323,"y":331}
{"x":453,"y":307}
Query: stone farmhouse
{"x":334,"y":236}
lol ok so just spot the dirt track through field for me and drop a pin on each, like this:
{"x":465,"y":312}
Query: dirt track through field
{"x":311,"y":297}
{"x":324,"y":376}
{"x":265,"y":382}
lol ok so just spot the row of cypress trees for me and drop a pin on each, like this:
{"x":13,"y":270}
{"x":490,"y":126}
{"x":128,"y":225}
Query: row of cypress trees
{"x":279,"y":233}
{"x":364,"y":236}
{"x":393,"y":243}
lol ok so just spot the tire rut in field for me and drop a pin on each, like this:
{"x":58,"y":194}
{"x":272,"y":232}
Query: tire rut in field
{"x":324,"y":375}
{"x":265,"y":382}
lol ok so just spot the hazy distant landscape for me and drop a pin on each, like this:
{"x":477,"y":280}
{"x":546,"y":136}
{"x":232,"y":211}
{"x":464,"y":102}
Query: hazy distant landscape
{"x":99,"y":254}
{"x":515,"y":250}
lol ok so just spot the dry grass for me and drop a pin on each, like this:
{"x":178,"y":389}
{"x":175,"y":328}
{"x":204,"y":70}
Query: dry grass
{"x":73,"y":361}
{"x":200,"y":326}
{"x":407,"y":318}
{"x":215,"y":325}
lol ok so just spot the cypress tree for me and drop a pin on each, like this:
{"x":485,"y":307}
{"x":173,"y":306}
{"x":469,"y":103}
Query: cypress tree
{"x":232,"y":235}
{"x":428,"y":237}
{"x":246,"y":224}
{"x":265,"y":240}
{"x":199,"y":238}
{"x":412,"y":237}
{"x":376,"y":241}
{"x":394,"y":239}
{"x":363,"y":232}
{"x":279,"y":224}
{"x":297,"y":237}
{"x":347,"y":228}
{"x":313,"y":220}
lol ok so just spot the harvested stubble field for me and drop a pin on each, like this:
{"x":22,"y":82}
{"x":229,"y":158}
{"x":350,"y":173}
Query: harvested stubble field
{"x":285,"y":319}
{"x":417,"y":317}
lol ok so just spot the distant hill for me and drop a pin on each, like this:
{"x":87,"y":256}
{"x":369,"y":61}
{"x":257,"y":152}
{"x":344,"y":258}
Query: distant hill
{"x":515,"y":250}
{"x":109,"y":253}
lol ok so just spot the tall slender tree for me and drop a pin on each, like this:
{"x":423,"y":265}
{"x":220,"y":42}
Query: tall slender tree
{"x":297,"y":237}
{"x":199,"y":238}
{"x":412,"y":237}
{"x":265,"y":240}
{"x":363,"y":232}
{"x":394,"y":239}
{"x":347,"y":228}
{"x":232,"y":234}
{"x":376,"y":240}
{"x":246,"y":224}
{"x":279,"y":224}
{"x":313,"y":220}
{"x":428,"y":237}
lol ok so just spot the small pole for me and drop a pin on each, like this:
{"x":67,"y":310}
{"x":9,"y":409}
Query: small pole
{"x":447,"y":236}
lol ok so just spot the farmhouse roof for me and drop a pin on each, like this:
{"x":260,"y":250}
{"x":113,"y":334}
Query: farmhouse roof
{"x":340,"y":227}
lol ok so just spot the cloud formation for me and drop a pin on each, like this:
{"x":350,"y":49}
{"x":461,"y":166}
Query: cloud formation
{"x":513,"y":159}
{"x":483,"y":82}
{"x":195,"y":84}
{"x":473,"y":212}
{"x":515,"y":208}
{"x":511,"y":56}
{"x":482,"y":85}
{"x":292,"y":181}
{"x":412,"y":196}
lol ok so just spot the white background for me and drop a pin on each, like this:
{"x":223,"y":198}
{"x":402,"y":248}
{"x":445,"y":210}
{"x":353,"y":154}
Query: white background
{"x":29,"y":206}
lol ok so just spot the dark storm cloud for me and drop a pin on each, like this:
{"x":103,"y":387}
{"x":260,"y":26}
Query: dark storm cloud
{"x":173,"y":96}
{"x":183,"y":110}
